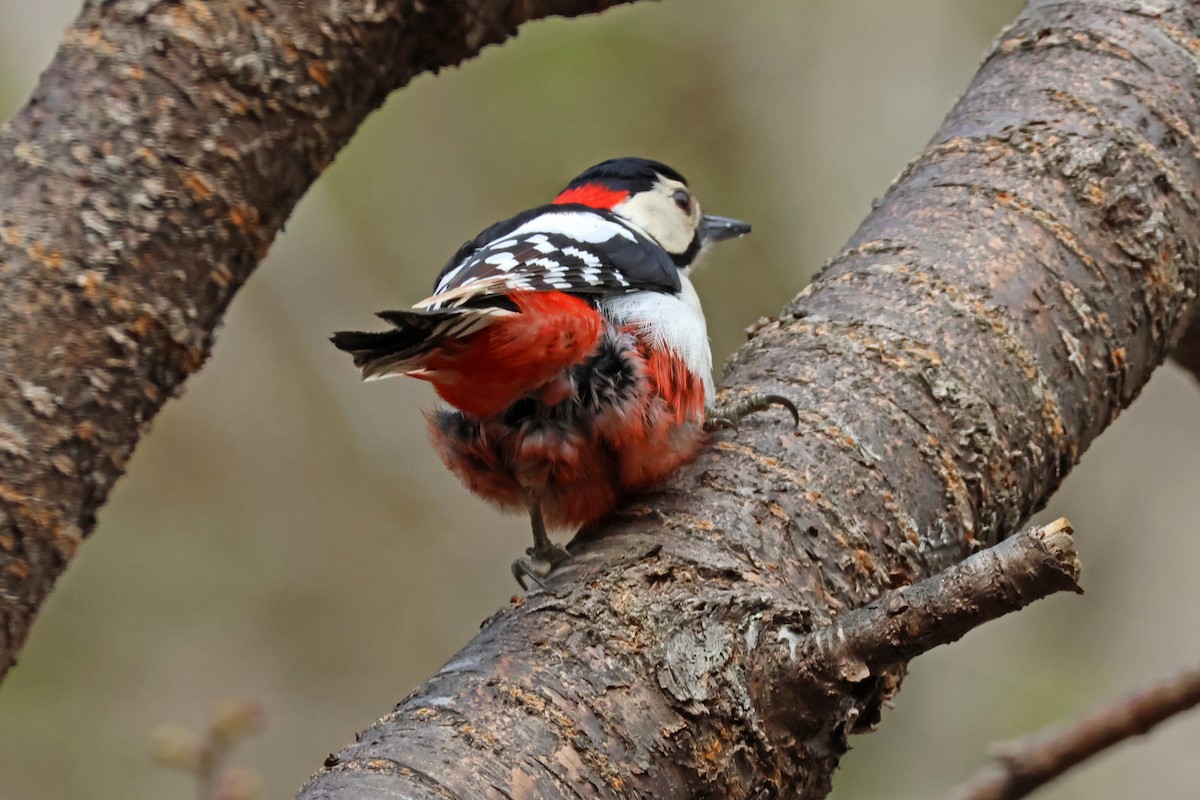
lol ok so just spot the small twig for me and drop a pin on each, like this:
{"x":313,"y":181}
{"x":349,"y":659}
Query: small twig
{"x":1022,"y":766}
{"x":912,"y":620}
{"x":206,"y":758}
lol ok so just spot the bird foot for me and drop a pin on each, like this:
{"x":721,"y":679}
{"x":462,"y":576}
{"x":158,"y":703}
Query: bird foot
{"x":730,"y":414}
{"x":539,"y":564}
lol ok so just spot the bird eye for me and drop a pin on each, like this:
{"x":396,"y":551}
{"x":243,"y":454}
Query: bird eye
{"x":682,"y":199}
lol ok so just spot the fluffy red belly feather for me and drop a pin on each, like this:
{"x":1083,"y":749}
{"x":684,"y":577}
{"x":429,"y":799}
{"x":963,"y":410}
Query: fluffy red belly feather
{"x":579,"y":463}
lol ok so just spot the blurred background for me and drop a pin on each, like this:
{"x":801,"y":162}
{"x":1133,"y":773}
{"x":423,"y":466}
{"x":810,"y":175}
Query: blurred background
{"x":284,"y":534}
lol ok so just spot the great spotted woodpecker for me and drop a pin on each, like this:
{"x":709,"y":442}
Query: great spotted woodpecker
{"x":572,"y":347}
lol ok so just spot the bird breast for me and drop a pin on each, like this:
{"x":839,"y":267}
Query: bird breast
{"x":671,"y":321}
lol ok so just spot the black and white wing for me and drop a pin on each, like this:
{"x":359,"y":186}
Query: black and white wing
{"x":557,"y":248}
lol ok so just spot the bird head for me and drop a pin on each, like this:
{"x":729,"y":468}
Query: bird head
{"x":656,"y":200}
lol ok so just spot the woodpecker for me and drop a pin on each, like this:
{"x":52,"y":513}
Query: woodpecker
{"x":571,"y":348}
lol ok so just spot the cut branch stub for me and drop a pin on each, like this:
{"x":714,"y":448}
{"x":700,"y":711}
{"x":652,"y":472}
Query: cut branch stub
{"x":823,"y":667}
{"x":907,"y":622}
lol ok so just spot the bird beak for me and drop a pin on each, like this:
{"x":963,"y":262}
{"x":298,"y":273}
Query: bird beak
{"x":714,"y":228}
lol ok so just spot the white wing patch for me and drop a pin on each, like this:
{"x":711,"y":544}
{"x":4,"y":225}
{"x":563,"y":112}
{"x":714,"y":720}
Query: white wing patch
{"x":580,"y":225}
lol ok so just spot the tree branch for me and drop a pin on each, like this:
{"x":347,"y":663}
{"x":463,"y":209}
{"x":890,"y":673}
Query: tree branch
{"x":1009,"y":295}
{"x":1021,"y":767}
{"x":146,"y":177}
{"x":906,"y":622}
{"x":863,"y":652}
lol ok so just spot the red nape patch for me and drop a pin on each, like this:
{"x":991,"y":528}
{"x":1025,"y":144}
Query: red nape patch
{"x":593,"y":195}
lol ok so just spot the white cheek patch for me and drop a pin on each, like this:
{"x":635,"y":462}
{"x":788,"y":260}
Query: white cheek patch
{"x":655,"y":213}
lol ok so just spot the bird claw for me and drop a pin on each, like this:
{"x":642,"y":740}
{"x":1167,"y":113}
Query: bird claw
{"x":713,"y":422}
{"x":729,"y":415}
{"x":539,"y":564}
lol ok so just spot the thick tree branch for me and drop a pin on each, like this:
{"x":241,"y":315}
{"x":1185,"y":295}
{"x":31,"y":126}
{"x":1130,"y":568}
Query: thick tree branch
{"x":147,"y":175}
{"x":1023,"y":766}
{"x":1010,"y":294}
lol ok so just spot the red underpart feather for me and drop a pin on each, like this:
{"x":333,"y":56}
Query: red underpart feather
{"x":593,"y":195}
{"x":667,"y":432}
{"x":578,"y":478}
{"x":486,"y":372}
{"x":675,"y":383}
{"x":576,"y":474}
{"x":580,"y":475}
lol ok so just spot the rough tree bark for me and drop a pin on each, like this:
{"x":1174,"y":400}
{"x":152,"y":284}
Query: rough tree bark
{"x":1008,"y":297}
{"x":146,"y":177}
{"x":1011,"y":293}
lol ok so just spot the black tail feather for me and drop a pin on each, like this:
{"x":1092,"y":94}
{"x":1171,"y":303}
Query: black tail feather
{"x":414,"y":334}
{"x":393,"y":341}
{"x":375,"y":353}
